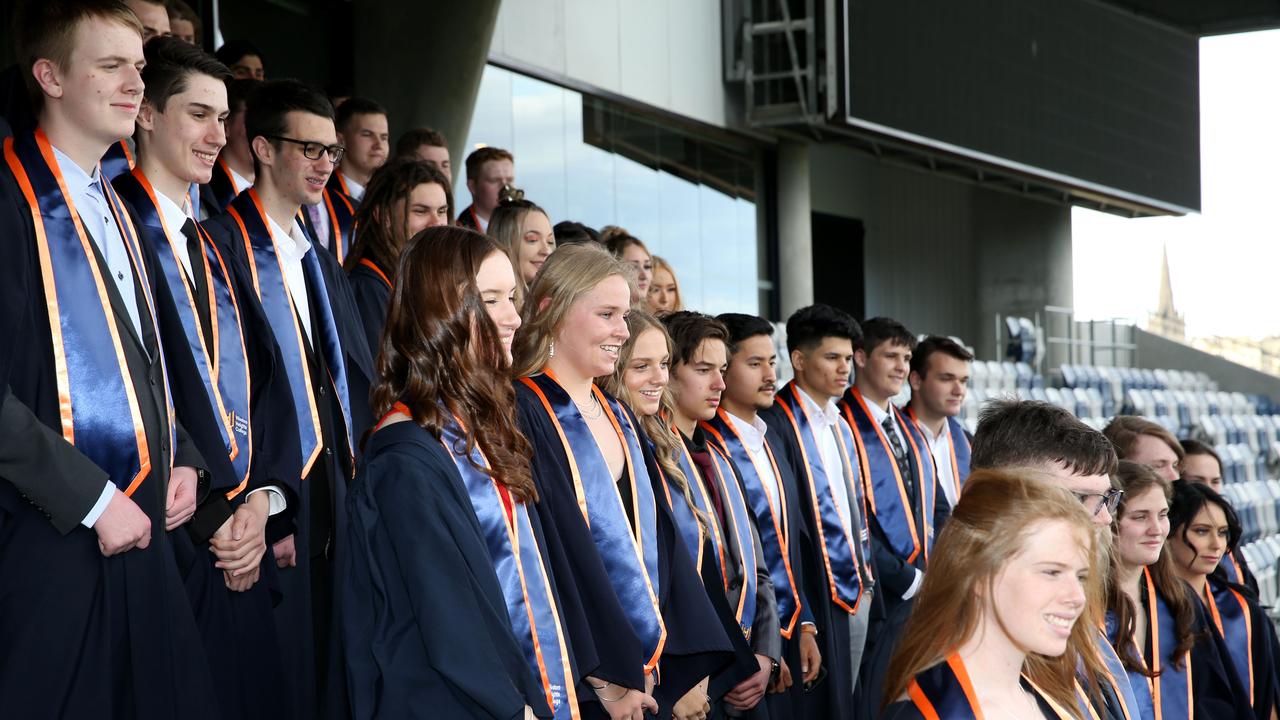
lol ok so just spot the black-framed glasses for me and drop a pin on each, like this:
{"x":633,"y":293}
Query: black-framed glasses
{"x":1093,"y":502}
{"x":312,"y":150}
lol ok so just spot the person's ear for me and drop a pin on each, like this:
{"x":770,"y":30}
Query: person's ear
{"x":860,"y":358}
{"x":797,"y":361}
{"x":916,"y":381}
{"x":47,"y":77}
{"x":263,"y":150}
{"x":146,"y":116}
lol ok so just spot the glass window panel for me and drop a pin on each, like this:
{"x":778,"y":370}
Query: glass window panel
{"x":492,"y":123}
{"x":539,"y":144}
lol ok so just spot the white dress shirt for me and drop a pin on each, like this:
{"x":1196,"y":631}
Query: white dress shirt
{"x":752,"y":434}
{"x":824,"y":421}
{"x":291,"y":246}
{"x":354,"y":189}
{"x":940,"y":448}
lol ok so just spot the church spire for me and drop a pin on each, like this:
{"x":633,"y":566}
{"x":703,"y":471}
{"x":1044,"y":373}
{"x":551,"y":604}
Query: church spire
{"x":1165,"y":320}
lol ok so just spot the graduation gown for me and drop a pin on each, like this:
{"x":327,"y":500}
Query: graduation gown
{"x":87,"y":635}
{"x":468,"y":219}
{"x":833,"y":618}
{"x":782,"y":535}
{"x":694,"y":645}
{"x":221,"y":189}
{"x":371,"y":288}
{"x":221,"y":361}
{"x":329,"y":374}
{"x":341,"y":211}
{"x":422,"y":615}
{"x":1249,"y":637}
{"x":945,"y":692}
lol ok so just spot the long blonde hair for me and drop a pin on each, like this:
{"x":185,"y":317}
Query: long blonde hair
{"x":990,"y":525}
{"x":656,"y":427}
{"x":571,"y":272}
{"x":661,"y":264}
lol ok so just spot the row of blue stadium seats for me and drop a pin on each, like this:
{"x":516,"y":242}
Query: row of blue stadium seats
{"x":1121,"y":379}
{"x":1263,"y":557}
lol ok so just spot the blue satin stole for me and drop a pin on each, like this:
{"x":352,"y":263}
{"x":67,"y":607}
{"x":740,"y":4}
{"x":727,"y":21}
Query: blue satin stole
{"x":517,"y":560}
{"x":627,"y":541}
{"x":907,"y":524}
{"x":221,"y":360}
{"x":1171,"y":692}
{"x":97,"y":404}
{"x":771,"y":520}
{"x":277,"y":301}
{"x":844,"y":552}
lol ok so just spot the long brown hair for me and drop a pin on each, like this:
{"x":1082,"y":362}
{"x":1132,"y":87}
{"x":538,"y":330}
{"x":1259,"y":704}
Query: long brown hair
{"x":380,"y":226}
{"x":1135,"y":479}
{"x":570,"y":273}
{"x":990,"y":525}
{"x":655,"y":426}
{"x":441,"y":348}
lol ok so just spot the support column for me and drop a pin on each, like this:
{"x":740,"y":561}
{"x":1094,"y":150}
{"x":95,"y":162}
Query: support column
{"x":423,"y":61}
{"x":795,"y":231}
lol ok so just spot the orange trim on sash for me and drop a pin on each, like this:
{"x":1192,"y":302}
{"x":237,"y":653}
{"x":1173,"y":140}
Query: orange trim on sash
{"x":297,"y":329}
{"x":377,"y":270}
{"x":921,"y":701}
{"x":711,"y":516}
{"x":1212,"y":603}
{"x":51,"y":302}
{"x":962,"y":676}
{"x":897,"y":474}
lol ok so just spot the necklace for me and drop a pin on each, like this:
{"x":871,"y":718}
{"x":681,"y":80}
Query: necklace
{"x":592,"y":411}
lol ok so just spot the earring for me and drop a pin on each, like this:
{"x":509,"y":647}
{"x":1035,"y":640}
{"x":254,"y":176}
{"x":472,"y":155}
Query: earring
{"x":552,"y":352}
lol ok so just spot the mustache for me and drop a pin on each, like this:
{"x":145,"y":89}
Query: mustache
{"x":771,"y":387}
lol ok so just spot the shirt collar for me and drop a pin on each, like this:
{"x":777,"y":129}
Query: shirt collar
{"x":357,"y":190}
{"x":827,"y":414}
{"x":173,"y":215}
{"x":77,"y":180}
{"x":752,"y":433}
{"x":293,"y":244}
{"x":239,"y":180}
{"x":943,"y":435}
{"x":878,"y":413}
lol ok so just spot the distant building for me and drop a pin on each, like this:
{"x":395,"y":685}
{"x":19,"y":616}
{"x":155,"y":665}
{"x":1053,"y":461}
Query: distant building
{"x":1166,"y":320}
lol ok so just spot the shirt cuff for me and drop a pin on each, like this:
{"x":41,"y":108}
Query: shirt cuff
{"x":915,"y":586}
{"x":276,"y":502}
{"x":95,"y":512}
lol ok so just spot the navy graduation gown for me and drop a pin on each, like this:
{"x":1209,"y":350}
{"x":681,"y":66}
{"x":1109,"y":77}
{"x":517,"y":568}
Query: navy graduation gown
{"x":371,"y":288}
{"x":833,"y":697}
{"x":1248,"y":636}
{"x":696,"y":645}
{"x":86,"y":635}
{"x":237,"y":627}
{"x":423,"y":618}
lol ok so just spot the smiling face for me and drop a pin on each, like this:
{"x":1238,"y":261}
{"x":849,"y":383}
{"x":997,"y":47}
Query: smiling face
{"x":367,"y":140}
{"x":99,"y":92}
{"x":1155,"y":454}
{"x":823,"y":372}
{"x":752,"y":377}
{"x":1038,"y":594}
{"x":594,"y":329}
{"x":1203,"y":469}
{"x":647,"y":372}
{"x":663,"y":295}
{"x":940,"y":393}
{"x":1143,"y":527}
{"x":636,"y":256}
{"x":294,"y":176}
{"x":427,"y":207}
{"x":882,"y":371}
{"x":536,"y":243}
{"x":696,"y":385}
{"x":496,"y":282}
{"x":1199,"y":546}
{"x":185,"y":139}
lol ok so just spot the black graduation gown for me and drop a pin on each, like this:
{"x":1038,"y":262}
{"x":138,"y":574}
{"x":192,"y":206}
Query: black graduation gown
{"x":305,"y":614}
{"x":238,"y":628}
{"x":372,"y":293}
{"x":696,"y":645}
{"x":423,"y":618}
{"x":833,"y":696}
{"x":1262,"y":647}
{"x":86,"y":635}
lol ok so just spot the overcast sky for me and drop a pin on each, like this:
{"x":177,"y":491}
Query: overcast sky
{"x":1224,"y":261}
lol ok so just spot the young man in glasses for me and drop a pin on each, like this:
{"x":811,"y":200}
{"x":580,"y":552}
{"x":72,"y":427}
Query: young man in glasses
{"x":362,"y":132}
{"x":1044,"y":439}
{"x":323,"y":353}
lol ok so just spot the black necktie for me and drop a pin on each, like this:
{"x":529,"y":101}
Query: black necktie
{"x":899,"y":454}
{"x":199,"y":283}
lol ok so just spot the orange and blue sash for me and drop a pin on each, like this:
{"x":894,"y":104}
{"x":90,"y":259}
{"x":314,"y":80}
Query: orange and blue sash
{"x":117,"y":161}
{"x":945,"y":692}
{"x":739,"y":521}
{"x":1172,"y":691}
{"x":691,"y":531}
{"x":97,"y":403}
{"x":277,"y":301}
{"x":517,"y":559}
{"x":1231,"y":566}
{"x":224,"y":187}
{"x":342,"y":223}
{"x":770,"y":519}
{"x":625,"y":537}
{"x":221,"y":360}
{"x":907,"y":522}
{"x":961,"y":450}
{"x":1233,"y":621}
{"x":844,"y":551}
